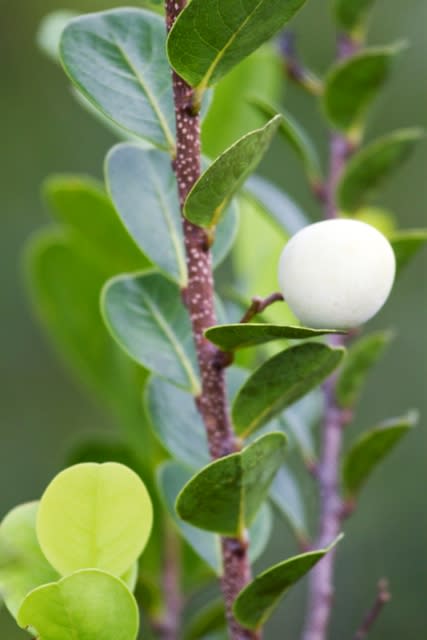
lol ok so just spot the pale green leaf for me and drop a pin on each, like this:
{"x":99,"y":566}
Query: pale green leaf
{"x":406,"y":244}
{"x":286,"y":496}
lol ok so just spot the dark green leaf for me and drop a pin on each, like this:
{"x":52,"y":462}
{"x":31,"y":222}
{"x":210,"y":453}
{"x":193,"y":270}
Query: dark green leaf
{"x":255,"y":604}
{"x":211,"y":36}
{"x":368,"y":168}
{"x":146,"y":316}
{"x":81,"y":205}
{"x":286,"y":496}
{"x":361,"y":357}
{"x":213,"y":192}
{"x":371,"y":449}
{"x":172,"y":477}
{"x":143,"y":188}
{"x":351,"y":14}
{"x":292,"y":132}
{"x":281,"y":381}
{"x":230,"y":337}
{"x":352,"y":84}
{"x":65,"y":287}
{"x":209,"y":619}
{"x":225,"y":496}
{"x":230,"y":116}
{"x":406,"y":245}
{"x":117,"y":60}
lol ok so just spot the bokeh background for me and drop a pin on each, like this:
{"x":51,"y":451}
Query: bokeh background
{"x":43,"y":131}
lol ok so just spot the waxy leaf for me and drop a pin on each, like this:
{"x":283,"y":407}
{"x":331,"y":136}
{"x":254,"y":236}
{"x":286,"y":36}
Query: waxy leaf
{"x":65,"y":286}
{"x":255,"y":604}
{"x":361,"y":357}
{"x":146,"y":316}
{"x":94,"y":515}
{"x":406,"y":245}
{"x":294,"y":135}
{"x":281,"y":381}
{"x":352,"y":84}
{"x":367,"y":169}
{"x":142,"y":185}
{"x":213,"y":192}
{"x":230,"y":337}
{"x":371,"y":449}
{"x":351,"y":14}
{"x":211,"y":36}
{"x":87,"y":604}
{"x":172,"y":478}
{"x":286,"y":496}
{"x":24,"y":568}
{"x":225,"y":496}
{"x":81,"y":205}
{"x":50,"y":31}
{"x":117,"y":60}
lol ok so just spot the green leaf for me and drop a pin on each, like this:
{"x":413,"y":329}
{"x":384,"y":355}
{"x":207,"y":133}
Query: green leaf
{"x":230,"y":337}
{"x":294,"y":135}
{"x":255,"y":604}
{"x":81,"y":205}
{"x":172,"y":477}
{"x":300,"y":420}
{"x":367,"y":169}
{"x":352,"y":84}
{"x":142,"y":185}
{"x":281,"y":381}
{"x":351,"y":14}
{"x":225,"y":496}
{"x":209,"y":619}
{"x":24,"y":568}
{"x":85,"y":605}
{"x":94,"y":515}
{"x":371,"y":449}
{"x":406,"y":244}
{"x":65,"y":288}
{"x":213,"y":192}
{"x":117,"y":60}
{"x":286,"y":496}
{"x":50,"y":31}
{"x":361,"y":357}
{"x":230,"y":116}
{"x":211,"y":36}
{"x":146,"y":316}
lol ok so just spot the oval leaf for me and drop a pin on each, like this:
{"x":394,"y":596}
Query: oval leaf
{"x":86,"y":605}
{"x":147,"y":318}
{"x":371,"y":449}
{"x":230,"y":337}
{"x":281,"y":381}
{"x":368,"y":168}
{"x":406,"y":245}
{"x":211,"y":36}
{"x":208,"y":620}
{"x":255,"y":604}
{"x":225,"y":496}
{"x":353,"y":83}
{"x":25,"y":566}
{"x":351,"y":14}
{"x":213,"y":192}
{"x":94,"y":515}
{"x":117,"y":60}
{"x":361,"y":357}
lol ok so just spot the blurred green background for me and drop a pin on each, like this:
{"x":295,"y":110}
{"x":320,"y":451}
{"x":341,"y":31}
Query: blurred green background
{"x":43,"y":131}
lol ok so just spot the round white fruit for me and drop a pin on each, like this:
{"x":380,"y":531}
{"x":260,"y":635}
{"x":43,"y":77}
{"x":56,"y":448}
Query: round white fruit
{"x":336,"y":274}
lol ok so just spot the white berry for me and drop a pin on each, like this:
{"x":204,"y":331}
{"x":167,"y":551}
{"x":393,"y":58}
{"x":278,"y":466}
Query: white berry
{"x":336,"y":274}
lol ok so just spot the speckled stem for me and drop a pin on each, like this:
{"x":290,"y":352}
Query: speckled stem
{"x":199,"y":300}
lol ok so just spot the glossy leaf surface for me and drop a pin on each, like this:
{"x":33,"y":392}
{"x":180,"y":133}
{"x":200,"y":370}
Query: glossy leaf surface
{"x":94,"y":515}
{"x":225,"y":496}
{"x":87,"y":604}
{"x":117,"y":60}
{"x":281,"y":381}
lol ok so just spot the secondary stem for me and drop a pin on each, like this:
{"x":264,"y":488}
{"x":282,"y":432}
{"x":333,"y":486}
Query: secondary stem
{"x":383,"y":596}
{"x":199,"y":300}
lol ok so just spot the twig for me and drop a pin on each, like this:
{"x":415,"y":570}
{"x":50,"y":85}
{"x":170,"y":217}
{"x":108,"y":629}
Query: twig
{"x":259,"y":305}
{"x":383,"y":596}
{"x":295,"y":70}
{"x":199,"y":300}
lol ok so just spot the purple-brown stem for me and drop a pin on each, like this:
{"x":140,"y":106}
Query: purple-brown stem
{"x":383,"y":596}
{"x":259,"y":305}
{"x":198,"y":297}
